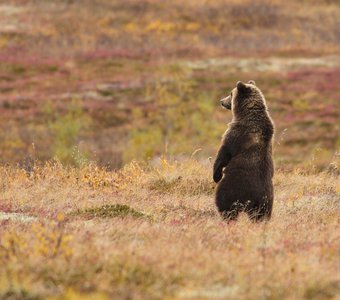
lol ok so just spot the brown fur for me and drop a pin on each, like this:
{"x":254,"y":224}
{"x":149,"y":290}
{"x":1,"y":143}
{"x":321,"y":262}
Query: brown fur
{"x":245,"y":156}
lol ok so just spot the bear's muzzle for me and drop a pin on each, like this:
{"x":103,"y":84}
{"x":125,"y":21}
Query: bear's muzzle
{"x":226,"y":102}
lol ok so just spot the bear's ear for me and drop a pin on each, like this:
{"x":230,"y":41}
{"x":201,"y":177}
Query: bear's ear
{"x":251,"y":82}
{"x":241,"y":86}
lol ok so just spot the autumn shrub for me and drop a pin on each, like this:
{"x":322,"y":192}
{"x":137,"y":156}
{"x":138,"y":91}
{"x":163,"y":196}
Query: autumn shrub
{"x":66,"y":129}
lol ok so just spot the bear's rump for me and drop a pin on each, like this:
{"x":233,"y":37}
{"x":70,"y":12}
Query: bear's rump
{"x":250,"y":187}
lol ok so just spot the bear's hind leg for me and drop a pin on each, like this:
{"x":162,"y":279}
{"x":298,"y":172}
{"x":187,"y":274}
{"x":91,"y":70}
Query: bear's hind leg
{"x":261,"y":213}
{"x":229,"y":215}
{"x":230,"y":212}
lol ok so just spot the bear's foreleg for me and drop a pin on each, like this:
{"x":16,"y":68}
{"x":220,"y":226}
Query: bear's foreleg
{"x":222,"y":159}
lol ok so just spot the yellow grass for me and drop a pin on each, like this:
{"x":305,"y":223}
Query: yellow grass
{"x":167,"y":242}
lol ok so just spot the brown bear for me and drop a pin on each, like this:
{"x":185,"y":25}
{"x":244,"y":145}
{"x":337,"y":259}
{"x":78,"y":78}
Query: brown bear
{"x":245,"y":156}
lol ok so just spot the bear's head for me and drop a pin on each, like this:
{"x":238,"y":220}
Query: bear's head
{"x":244,"y":99}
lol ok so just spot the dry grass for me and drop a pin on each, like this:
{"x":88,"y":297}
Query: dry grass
{"x":90,"y":237}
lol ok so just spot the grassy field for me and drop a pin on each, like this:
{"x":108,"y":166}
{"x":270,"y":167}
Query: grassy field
{"x":152,"y":232}
{"x":109,"y":124}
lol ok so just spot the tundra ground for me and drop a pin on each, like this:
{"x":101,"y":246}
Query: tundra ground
{"x":152,"y":232}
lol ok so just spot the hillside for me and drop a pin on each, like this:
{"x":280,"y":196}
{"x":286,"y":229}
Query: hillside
{"x":97,"y":77}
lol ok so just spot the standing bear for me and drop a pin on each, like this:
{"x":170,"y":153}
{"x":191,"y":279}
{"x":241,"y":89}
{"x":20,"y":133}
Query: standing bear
{"x":245,"y":156}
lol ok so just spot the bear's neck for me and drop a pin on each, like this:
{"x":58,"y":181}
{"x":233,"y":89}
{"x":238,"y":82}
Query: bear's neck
{"x":252,"y":117}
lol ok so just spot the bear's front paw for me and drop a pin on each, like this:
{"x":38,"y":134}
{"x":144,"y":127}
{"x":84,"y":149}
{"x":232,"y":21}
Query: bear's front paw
{"x":217,"y":177}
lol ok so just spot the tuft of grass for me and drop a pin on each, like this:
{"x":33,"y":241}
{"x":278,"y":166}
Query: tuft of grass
{"x":111,"y":211}
{"x":182,"y":186}
{"x":164,"y":186}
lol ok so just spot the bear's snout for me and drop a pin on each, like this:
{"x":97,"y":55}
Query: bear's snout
{"x":226,"y":102}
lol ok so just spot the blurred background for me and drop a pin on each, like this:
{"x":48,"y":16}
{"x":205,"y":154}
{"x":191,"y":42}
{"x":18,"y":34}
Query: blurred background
{"x":112,"y":81}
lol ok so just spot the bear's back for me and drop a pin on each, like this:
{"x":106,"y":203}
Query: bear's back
{"x":252,"y":148}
